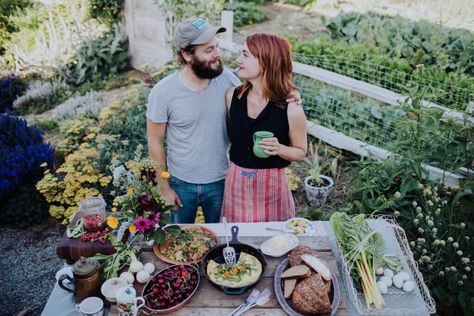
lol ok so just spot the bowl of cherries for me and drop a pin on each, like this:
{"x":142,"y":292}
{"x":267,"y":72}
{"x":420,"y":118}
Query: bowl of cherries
{"x":171,"y":288}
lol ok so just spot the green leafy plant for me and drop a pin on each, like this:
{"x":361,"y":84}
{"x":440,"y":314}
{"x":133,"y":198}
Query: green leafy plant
{"x":103,"y":55}
{"x":179,"y":10}
{"x":300,"y":3}
{"x":418,"y":42}
{"x":9,"y":8}
{"x":436,"y":219}
{"x":106,"y":11}
{"x":442,"y":142}
{"x":363,"y":250}
{"x":246,"y":13}
{"x":319,"y":165}
{"x":372,"y":65}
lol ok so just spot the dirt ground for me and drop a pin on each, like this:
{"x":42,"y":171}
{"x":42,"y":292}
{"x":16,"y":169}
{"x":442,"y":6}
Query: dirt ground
{"x":285,"y":20}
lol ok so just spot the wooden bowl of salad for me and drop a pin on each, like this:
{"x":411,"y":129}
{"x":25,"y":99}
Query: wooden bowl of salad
{"x":190,"y":247}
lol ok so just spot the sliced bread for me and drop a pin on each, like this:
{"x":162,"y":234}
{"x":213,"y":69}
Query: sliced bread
{"x":288,"y":287}
{"x":301,"y":271}
{"x":317,"y":265}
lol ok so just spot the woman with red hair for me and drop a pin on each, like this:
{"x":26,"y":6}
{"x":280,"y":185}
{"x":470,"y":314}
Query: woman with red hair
{"x":256,"y":189}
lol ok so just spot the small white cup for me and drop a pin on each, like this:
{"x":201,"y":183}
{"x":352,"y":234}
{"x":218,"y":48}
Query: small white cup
{"x":91,"y":306}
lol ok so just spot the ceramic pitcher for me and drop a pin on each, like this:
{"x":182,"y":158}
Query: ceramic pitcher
{"x":127,"y":302}
{"x":257,"y":137}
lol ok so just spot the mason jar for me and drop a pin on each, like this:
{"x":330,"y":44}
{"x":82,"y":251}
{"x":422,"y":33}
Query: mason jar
{"x":94,"y":214}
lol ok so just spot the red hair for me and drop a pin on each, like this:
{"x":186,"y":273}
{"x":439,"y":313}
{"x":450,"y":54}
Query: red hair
{"x":274,"y":56}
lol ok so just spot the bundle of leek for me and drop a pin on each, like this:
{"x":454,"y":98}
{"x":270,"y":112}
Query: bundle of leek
{"x":124,"y":255}
{"x":363,"y":249}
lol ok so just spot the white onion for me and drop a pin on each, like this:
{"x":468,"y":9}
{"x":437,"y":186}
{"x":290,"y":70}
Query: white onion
{"x":143,"y":276}
{"x":386,"y":280}
{"x":382,"y":287}
{"x":397,"y":281}
{"x":388,"y":273}
{"x":149,"y":267}
{"x":408,"y":286}
{"x":404,"y":276}
{"x":136,"y":266}
{"x":379,"y":271}
{"x":127,"y":276}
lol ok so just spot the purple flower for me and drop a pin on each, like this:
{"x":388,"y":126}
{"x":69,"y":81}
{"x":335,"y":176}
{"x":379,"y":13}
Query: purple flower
{"x":145,"y":201}
{"x":142,"y":223}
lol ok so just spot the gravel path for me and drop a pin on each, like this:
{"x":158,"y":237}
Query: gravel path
{"x":28,"y":264}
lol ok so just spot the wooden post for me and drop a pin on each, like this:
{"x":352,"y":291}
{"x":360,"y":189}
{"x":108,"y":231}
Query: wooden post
{"x":227,"y":21}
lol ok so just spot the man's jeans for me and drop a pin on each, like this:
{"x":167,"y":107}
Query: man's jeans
{"x":208,"y":196}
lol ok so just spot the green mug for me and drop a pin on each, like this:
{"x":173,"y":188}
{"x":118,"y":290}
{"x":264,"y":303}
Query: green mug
{"x":257,"y":137}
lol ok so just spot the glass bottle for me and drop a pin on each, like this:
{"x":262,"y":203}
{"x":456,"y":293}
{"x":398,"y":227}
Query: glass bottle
{"x":93,"y":213}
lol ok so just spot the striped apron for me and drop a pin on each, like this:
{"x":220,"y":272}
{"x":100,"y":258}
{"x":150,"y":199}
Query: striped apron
{"x":257,"y":195}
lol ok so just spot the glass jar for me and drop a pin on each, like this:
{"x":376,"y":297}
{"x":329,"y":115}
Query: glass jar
{"x":93,"y":213}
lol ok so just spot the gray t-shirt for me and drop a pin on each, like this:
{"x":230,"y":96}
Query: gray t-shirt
{"x":196,"y":132}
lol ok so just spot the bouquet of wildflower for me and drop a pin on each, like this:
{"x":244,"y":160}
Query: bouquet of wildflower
{"x":141,"y":208}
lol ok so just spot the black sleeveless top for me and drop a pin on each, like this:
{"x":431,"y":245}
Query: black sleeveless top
{"x":242,"y":127}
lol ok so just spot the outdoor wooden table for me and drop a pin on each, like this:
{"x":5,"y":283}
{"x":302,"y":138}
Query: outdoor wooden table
{"x":209,"y":300}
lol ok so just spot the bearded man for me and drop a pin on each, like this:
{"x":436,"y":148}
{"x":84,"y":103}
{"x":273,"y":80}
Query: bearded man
{"x":188,"y":107}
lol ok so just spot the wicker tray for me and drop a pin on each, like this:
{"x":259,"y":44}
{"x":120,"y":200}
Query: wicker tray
{"x":397,"y":302}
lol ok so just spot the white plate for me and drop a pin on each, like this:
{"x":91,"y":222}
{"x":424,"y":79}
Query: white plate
{"x":279,"y":245}
{"x":299,"y":226}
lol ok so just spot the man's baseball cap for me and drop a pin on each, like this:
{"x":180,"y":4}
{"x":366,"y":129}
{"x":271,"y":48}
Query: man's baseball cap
{"x":195,"y":31}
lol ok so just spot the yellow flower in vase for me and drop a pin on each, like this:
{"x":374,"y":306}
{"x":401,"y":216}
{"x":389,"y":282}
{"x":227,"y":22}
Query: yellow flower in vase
{"x":132,"y":228}
{"x":112,"y":222}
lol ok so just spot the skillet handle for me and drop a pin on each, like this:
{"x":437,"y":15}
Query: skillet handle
{"x":232,"y":291}
{"x":235,"y":232}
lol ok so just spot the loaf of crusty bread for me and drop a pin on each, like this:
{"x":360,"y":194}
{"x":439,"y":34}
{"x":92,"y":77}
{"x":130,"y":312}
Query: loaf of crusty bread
{"x":310,"y":296}
{"x":295,"y":254}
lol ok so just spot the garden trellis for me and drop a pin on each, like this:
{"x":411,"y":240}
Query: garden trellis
{"x":361,"y":115}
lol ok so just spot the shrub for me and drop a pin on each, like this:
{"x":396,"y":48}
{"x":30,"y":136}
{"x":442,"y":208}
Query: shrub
{"x":24,"y":206}
{"x":105,"y":11}
{"x":88,"y":104}
{"x":438,"y":222}
{"x":7,"y":26}
{"x":41,"y":96}
{"x":369,"y":64}
{"x":93,"y":145}
{"x":300,"y":3}
{"x":419,"y":42}
{"x":10,"y":89}
{"x":246,"y":13}
{"x":76,"y":131}
{"x":77,"y":178}
{"x":103,"y":55}
{"x":22,"y":152}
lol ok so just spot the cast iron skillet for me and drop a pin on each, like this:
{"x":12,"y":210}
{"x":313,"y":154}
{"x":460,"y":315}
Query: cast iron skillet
{"x":216,"y":255}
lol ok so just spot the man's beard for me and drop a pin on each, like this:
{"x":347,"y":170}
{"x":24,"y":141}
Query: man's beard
{"x":204,"y":70}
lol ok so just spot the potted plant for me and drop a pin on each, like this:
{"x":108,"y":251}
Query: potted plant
{"x":317,"y":185}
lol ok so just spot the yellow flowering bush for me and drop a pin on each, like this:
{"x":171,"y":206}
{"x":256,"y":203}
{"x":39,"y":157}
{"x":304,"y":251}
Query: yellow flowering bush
{"x":293,"y":180}
{"x":117,"y":108}
{"x":76,"y":131}
{"x":76,"y":179}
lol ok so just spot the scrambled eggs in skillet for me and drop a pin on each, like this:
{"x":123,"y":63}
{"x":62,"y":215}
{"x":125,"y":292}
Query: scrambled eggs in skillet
{"x":245,"y":272}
